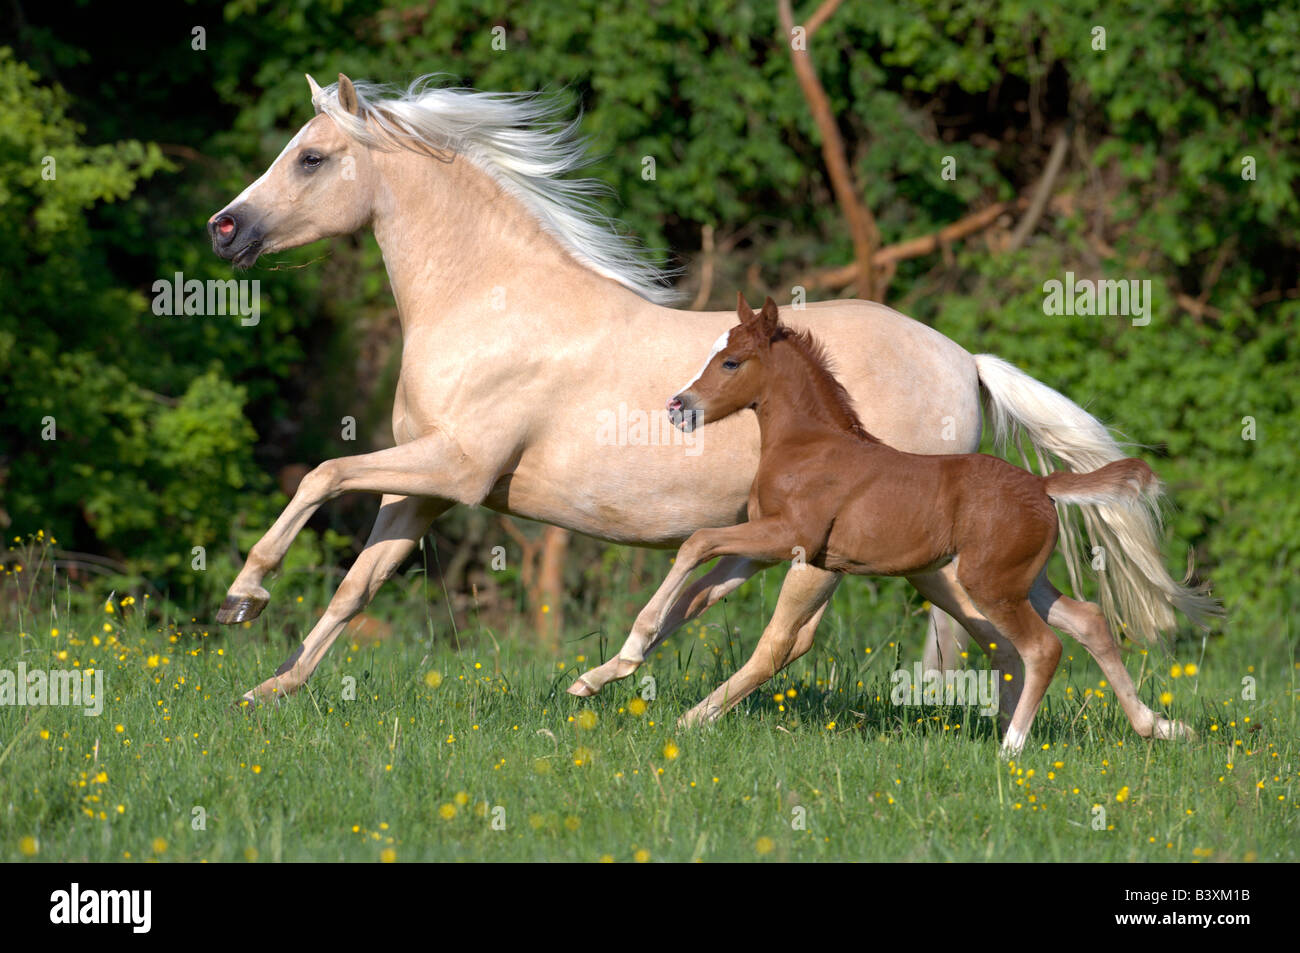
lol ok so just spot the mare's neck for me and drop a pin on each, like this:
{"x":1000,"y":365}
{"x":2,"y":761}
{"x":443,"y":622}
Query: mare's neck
{"x":455,"y":243}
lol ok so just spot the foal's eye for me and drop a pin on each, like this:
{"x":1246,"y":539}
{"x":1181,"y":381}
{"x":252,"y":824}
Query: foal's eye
{"x":730,"y":365}
{"x":311,"y":161}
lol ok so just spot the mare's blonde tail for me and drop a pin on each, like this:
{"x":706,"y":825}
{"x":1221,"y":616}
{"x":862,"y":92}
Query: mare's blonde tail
{"x":1137,"y":593}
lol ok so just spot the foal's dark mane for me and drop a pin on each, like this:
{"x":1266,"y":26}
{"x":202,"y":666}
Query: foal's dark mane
{"x":823,"y":374}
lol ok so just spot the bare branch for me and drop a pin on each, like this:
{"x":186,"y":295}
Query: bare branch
{"x":915,"y":247}
{"x":823,"y":14}
{"x":1055,"y":160}
{"x":706,"y":271}
{"x":862,"y":224}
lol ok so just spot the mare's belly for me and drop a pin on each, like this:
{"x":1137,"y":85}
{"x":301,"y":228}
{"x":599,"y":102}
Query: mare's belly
{"x":643,"y":486}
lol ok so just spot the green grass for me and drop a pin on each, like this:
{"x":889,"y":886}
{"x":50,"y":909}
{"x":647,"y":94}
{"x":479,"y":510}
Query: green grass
{"x":321,"y":778}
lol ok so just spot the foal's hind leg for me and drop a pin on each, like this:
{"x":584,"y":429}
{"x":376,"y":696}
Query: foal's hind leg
{"x":1086,"y":622}
{"x":1041,"y":651}
{"x":998,"y":578}
{"x":943,"y":590}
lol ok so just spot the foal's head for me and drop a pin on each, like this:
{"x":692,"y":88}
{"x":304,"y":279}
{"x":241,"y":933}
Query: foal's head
{"x":732,"y":377}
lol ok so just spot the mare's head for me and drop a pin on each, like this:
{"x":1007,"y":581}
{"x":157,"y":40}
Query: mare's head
{"x":374,"y":154}
{"x":321,"y":185}
{"x":732,"y":376}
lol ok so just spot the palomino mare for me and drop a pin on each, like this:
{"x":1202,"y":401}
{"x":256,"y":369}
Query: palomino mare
{"x":829,"y":493}
{"x":527,"y":321}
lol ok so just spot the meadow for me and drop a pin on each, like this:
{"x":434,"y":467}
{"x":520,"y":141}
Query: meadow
{"x":445,"y":743}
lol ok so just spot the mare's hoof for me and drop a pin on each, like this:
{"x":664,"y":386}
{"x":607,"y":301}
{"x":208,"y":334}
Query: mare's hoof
{"x":582,"y":688}
{"x":235,"y":609}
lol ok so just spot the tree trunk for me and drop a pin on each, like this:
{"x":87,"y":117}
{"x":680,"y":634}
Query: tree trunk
{"x":548,"y":597}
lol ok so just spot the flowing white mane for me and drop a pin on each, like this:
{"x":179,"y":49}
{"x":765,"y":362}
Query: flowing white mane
{"x":524,"y":142}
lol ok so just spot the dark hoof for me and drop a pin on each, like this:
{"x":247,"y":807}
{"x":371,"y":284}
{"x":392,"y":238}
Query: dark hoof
{"x":244,"y":705}
{"x":237,"y":609}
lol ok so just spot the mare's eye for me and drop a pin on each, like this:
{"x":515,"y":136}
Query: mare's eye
{"x":730,"y":365}
{"x":311,"y":161}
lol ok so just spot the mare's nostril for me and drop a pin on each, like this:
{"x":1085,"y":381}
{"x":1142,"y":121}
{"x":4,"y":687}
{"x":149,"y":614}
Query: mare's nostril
{"x":224,"y":228}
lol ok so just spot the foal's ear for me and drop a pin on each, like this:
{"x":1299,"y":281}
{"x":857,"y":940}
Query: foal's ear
{"x":315,"y":93}
{"x":743,"y":310}
{"x":347,"y":95}
{"x":769,"y":319}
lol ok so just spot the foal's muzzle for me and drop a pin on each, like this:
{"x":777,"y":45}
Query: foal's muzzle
{"x":683,"y":414}
{"x":235,"y":238}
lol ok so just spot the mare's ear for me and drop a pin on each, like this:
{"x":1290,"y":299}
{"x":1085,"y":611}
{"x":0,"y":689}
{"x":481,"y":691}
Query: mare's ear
{"x":743,"y":311}
{"x":348,"y":95}
{"x":315,"y":93}
{"x":769,"y":319}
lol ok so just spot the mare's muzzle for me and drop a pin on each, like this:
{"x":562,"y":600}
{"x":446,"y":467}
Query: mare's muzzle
{"x":236,"y":236}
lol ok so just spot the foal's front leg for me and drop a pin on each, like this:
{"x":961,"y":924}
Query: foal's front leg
{"x":763,"y":540}
{"x":805,"y":593}
{"x":724,"y":578}
{"x":431,"y":466}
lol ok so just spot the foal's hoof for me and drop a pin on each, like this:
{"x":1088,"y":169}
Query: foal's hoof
{"x":245,"y":703}
{"x":237,"y":609}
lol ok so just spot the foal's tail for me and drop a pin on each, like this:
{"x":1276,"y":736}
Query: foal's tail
{"x":1120,"y":482}
{"x":1118,"y":502}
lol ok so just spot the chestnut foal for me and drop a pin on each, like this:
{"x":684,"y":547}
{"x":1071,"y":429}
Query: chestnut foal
{"x":829,"y":494}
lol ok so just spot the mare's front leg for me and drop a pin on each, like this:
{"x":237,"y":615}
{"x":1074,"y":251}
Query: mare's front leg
{"x":432,"y":466}
{"x":402,"y":520}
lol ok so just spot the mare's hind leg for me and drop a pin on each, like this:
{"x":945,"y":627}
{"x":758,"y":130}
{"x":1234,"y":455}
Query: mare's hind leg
{"x":943,"y":590}
{"x":945,"y":641}
{"x":1086,"y":622}
{"x":805,"y":594}
{"x":398,"y":527}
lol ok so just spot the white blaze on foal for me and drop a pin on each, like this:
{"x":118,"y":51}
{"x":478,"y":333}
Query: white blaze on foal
{"x":719,"y":346}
